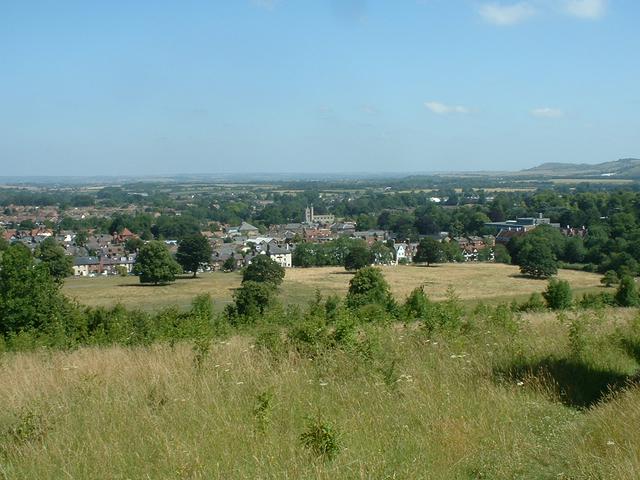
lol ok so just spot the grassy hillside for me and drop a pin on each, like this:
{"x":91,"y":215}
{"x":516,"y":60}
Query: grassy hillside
{"x":472,"y":281}
{"x":531,"y":396}
{"x":624,"y":168}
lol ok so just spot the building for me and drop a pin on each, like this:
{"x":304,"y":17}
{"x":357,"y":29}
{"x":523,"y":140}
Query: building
{"x":310,"y":217}
{"x":522,"y":224}
{"x":282,"y":256}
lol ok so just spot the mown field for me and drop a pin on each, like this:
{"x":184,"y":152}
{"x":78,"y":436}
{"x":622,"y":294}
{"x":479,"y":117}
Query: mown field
{"x":509,"y":397}
{"x":472,"y":282}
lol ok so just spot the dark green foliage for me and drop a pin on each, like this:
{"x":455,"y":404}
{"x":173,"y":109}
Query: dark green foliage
{"x":597,"y":300}
{"x":501,"y":254}
{"x":193,"y":251}
{"x":368,"y":286}
{"x":321,"y":438}
{"x":358,"y":257}
{"x":429,"y":251}
{"x":610,"y":278}
{"x":251,"y":300}
{"x":51,"y":254}
{"x":263,"y":409}
{"x":263,"y":270}
{"x":229,"y":265}
{"x":134,"y":244}
{"x":535,"y":303}
{"x":558,"y":294}
{"x":451,"y":252}
{"x":154,"y":264}
{"x":537,"y":259}
{"x":627,"y":293}
{"x":417,"y":306}
{"x":381,"y":254}
{"x":30,"y":298}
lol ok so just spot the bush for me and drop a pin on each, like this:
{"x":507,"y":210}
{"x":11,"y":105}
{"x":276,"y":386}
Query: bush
{"x":610,"y":278}
{"x":597,"y":300}
{"x":627,"y":293}
{"x":535,"y":303}
{"x":321,"y":438}
{"x":558,"y":294}
{"x":369,"y":286}
{"x":263,"y":270}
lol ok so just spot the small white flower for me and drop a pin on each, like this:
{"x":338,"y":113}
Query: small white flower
{"x":520,"y":383}
{"x":611,"y":442}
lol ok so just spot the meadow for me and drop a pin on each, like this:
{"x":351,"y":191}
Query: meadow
{"x":526,"y":396}
{"x":473,"y":282}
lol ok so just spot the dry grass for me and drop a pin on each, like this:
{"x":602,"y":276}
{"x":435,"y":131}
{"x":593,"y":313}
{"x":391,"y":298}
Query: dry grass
{"x":472,"y":281}
{"x":149,"y":413}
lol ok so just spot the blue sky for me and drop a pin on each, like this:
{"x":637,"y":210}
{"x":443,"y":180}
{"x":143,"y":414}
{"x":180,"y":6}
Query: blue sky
{"x":158,"y":87}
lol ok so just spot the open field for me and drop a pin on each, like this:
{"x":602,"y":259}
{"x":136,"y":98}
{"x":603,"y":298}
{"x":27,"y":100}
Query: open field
{"x":472,"y":282}
{"x":417,"y":407}
{"x":600,"y":181}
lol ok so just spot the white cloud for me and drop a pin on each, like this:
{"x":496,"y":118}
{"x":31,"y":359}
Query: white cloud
{"x":506,"y":14}
{"x":547,"y":112}
{"x":591,"y":9}
{"x":442,"y":109}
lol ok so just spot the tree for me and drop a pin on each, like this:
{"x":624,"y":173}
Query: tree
{"x":501,"y":254}
{"x":381,"y":254}
{"x":451,"y":252}
{"x":29,"y":296}
{"x":253,"y":298}
{"x":574,"y":251}
{"x":229,"y":265}
{"x":537,"y":259}
{"x":358,"y":257}
{"x":627,"y":293}
{"x":558,"y":294}
{"x":51,"y":254}
{"x":610,"y":278}
{"x":369,"y":286}
{"x":154,"y":264}
{"x":263,"y":269}
{"x":133,"y":244}
{"x":193,"y":251}
{"x":484,"y":254}
{"x":429,"y":251}
{"x":305,"y":255}
{"x":81,"y":239}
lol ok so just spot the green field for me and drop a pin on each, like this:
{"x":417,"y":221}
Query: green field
{"x":472,"y":281}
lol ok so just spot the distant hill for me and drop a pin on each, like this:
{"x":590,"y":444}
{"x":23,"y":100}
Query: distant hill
{"x":623,"y":168}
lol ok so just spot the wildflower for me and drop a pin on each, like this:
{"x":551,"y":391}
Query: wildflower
{"x":611,"y":442}
{"x":520,"y":383}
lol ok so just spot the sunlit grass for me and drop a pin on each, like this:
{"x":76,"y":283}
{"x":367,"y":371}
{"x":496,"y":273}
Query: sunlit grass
{"x":421,"y":407}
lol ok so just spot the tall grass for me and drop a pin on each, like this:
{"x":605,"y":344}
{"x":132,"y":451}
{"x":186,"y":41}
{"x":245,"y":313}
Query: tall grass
{"x":498,"y":397}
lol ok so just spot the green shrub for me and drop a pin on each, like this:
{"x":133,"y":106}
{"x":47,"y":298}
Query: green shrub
{"x":535,"y":303}
{"x":321,"y":438}
{"x":610,"y":278}
{"x":596,"y":300}
{"x":558,"y":294}
{"x":269,"y":337}
{"x":627,"y":293}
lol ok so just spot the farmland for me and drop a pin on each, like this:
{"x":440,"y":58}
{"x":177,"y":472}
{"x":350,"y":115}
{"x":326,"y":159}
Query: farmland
{"x":471,"y":281}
